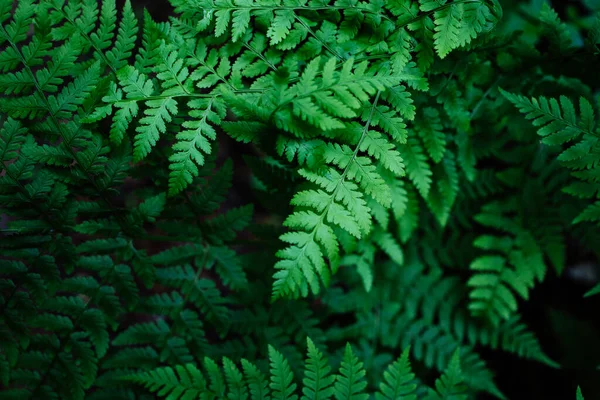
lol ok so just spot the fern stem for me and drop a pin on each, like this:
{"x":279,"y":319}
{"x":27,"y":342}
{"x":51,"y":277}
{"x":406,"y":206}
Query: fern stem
{"x":211,"y":69}
{"x":362,"y":138}
{"x":332,"y":51}
{"x":259,"y":55}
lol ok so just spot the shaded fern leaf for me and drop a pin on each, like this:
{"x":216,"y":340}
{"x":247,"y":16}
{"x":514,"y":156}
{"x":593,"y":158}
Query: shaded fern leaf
{"x":281,"y":377}
{"x":398,"y":381}
{"x":183,"y":380}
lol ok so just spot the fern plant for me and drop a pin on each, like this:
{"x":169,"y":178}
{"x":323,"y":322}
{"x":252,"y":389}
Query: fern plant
{"x":188,"y":381}
{"x":215,"y":201}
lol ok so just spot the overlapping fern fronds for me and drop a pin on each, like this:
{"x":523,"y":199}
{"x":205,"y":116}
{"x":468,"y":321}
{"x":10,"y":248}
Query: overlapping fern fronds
{"x":228,"y":381}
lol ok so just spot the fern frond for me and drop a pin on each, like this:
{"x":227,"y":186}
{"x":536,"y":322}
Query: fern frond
{"x":398,"y":381}
{"x":183,"y":380}
{"x":338,"y":201}
{"x":450,"y":384}
{"x":193,"y":142}
{"x":558,"y":123}
{"x":350,"y":383}
{"x":281,"y":377}
{"x":447,"y":30}
{"x":317,"y":383}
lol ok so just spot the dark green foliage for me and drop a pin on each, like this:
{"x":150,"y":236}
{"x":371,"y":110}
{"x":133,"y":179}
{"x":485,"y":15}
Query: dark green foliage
{"x":215,"y":206}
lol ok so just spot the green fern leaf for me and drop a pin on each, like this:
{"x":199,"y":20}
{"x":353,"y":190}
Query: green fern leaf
{"x":215,"y":377}
{"x":257,"y":383}
{"x":158,"y":113}
{"x":350,"y":383}
{"x":317,"y":381}
{"x":450,"y":385}
{"x":126,"y":37}
{"x":235,"y":381}
{"x":193,"y":142}
{"x":417,"y":168}
{"x":281,"y":377}
{"x":280,"y":26}
{"x":398,"y":381}
{"x":431,"y":131}
{"x":184,"y":380}
{"x":447,"y":29}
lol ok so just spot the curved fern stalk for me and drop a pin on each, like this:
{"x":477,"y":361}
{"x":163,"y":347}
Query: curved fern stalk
{"x":337,"y":202}
{"x":342,"y":202}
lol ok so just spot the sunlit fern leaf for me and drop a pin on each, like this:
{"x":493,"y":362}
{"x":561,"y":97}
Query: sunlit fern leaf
{"x":447,"y":30}
{"x":339,"y":201}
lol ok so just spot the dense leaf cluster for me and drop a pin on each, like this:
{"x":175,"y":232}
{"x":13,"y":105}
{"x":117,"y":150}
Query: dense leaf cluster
{"x":273,"y":184}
